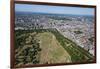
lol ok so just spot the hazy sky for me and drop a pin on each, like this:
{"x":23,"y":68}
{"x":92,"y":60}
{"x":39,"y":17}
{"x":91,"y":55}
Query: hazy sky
{"x":54,"y":9}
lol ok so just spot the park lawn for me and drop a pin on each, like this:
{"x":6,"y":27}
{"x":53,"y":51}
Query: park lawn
{"x":52,"y":51}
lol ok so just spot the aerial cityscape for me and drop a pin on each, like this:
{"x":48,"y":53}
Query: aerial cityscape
{"x":53,"y":35}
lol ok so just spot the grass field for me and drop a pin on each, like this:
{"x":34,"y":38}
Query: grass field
{"x":52,"y":51}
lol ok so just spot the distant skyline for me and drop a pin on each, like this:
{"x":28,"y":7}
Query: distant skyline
{"x":54,"y":9}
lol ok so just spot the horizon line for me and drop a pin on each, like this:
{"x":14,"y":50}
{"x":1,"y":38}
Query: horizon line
{"x":53,"y":13}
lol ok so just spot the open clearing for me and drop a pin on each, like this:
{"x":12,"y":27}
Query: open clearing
{"x":52,"y":51}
